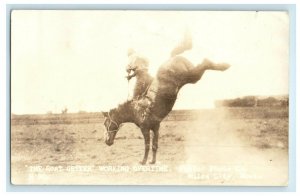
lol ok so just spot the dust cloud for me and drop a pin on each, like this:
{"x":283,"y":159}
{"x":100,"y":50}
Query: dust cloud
{"x":219,"y":151}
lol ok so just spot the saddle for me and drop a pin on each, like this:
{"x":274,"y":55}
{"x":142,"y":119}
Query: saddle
{"x":147,"y":99}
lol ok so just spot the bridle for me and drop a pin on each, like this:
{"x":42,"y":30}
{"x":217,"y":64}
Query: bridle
{"x":112,"y":122}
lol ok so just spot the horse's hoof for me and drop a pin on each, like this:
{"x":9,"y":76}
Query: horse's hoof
{"x":224,"y":66}
{"x":142,"y":162}
{"x":152,"y":162}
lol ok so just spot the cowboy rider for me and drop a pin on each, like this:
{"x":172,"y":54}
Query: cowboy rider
{"x":138,"y":67}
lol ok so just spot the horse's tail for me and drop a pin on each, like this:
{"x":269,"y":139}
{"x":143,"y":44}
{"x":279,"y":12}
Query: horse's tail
{"x":185,"y":44}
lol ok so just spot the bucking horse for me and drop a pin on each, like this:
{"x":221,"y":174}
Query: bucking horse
{"x":149,"y":110}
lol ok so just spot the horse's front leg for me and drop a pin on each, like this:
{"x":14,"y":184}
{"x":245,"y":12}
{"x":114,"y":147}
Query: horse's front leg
{"x":155,"y":144}
{"x":146,"y":134}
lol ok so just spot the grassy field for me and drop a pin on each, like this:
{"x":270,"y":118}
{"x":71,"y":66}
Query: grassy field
{"x":224,"y":146}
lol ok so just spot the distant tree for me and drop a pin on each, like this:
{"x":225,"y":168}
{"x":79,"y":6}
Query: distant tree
{"x":249,"y":101}
{"x":64,"y":111}
{"x":253,"y":101}
{"x":268,"y":102}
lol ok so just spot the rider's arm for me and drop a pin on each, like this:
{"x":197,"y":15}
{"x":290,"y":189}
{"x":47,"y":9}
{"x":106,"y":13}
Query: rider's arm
{"x":131,"y":76}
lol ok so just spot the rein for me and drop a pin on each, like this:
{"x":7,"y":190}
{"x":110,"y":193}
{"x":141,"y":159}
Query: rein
{"x":112,"y":122}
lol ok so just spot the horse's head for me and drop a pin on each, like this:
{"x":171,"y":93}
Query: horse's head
{"x":112,"y":127}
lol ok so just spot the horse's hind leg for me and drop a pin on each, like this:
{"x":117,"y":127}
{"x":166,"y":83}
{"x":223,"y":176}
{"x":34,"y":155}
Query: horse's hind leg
{"x":146,"y":134}
{"x":214,"y":66}
{"x":155,"y":143}
{"x":185,"y":44}
{"x":196,"y":73}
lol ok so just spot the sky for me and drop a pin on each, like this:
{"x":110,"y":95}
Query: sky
{"x":76,"y":59}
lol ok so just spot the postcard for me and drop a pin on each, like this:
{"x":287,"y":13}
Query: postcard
{"x":131,"y":97}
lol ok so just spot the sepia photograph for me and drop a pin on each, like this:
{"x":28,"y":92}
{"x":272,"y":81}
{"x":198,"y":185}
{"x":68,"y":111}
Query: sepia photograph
{"x":140,"y":97}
